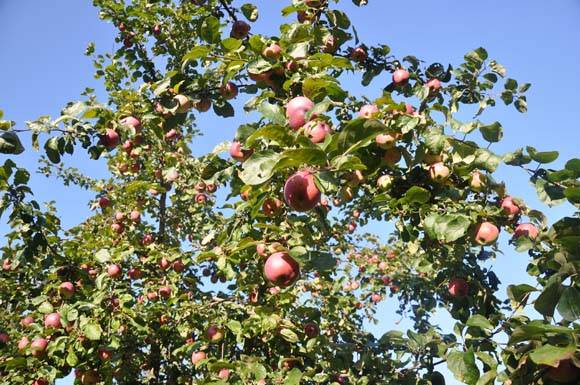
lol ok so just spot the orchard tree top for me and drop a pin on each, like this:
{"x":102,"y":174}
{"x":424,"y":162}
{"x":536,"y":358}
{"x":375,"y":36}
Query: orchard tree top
{"x":244,"y":265}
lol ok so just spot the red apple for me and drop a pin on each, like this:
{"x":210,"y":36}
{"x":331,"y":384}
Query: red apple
{"x":203,"y":105}
{"x":386,"y":141}
{"x":178,"y":266}
{"x":433,"y":85}
{"x":165,"y":292}
{"x":38,"y":346}
{"x":368,"y":111}
{"x":486,"y":233}
{"x":147,"y":239}
{"x":311,"y":330}
{"x":409,"y":109}
{"x":40,"y":381}
{"x":384,"y":181}
{"x":66,"y":289}
{"x":4,"y":338}
{"x":317,"y":131}
{"x":183,"y":103}
{"x":131,"y":121}
{"x":118,"y":228}
{"x":439,"y":172}
{"x":458,"y":287}
{"x":104,"y":202}
{"x":273,"y":51}
{"x":6,"y":264}
{"x":224,"y":373}
{"x":261,"y":249}
{"x":197,"y":357}
{"x":281,"y":269}
{"x":27,"y":321}
{"x":90,"y":377}
{"x":214,"y":333}
{"x":114,"y":271}
{"x":23,"y":343}
{"x":296,"y":110}
{"x":566,"y":372}
{"x":329,"y":44}
{"x":156,"y":30}
{"x":240,"y":29}
{"x":200,"y":198}
{"x":376,"y":298}
{"x":271,"y":207}
{"x":237,"y":153}
{"x":52,"y":320}
{"x":134,"y":273}
{"x":135,"y":216}
{"x":229,"y":91}
{"x":300,"y":191}
{"x":510,"y":207}
{"x":359,"y":54}
{"x":477,"y":181}
{"x":400,"y":77}
{"x":104,"y":354}
{"x":119,"y":216}
{"x":527,"y":230}
{"x":392,"y":156}
{"x":164,"y":263}
{"x":110,"y":139}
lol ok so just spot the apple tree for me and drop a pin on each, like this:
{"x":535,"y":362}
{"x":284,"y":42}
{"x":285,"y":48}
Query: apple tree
{"x":251,"y":264}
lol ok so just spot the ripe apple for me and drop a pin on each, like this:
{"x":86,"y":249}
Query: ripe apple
{"x":510,"y":207}
{"x":329,"y":44}
{"x":261,"y":249}
{"x":386,"y":141}
{"x":118,"y":228}
{"x":110,"y":139}
{"x":114,"y":271}
{"x":23,"y":343}
{"x":409,"y":109}
{"x":214,"y":333}
{"x":119,"y":216}
{"x":566,"y":372}
{"x":400,"y":77}
{"x":317,"y":130}
{"x":4,"y":338}
{"x":311,"y":330}
{"x":197,"y":357}
{"x":281,"y":269}
{"x":156,"y":30}
{"x":237,"y":153}
{"x":164,"y":263}
{"x":38,"y":346}
{"x":458,"y":287}
{"x":229,"y":91}
{"x":66,"y":289}
{"x":526,"y":229}
{"x":147,"y":239}
{"x":135,"y":216}
{"x":359,"y":54}
{"x":134,"y":273}
{"x":376,"y":298}
{"x":240,"y":29}
{"x":224,"y":373}
{"x":200,"y":198}
{"x":152,"y":296}
{"x":351,"y":227}
{"x":271,"y":207}
{"x":203,"y":105}
{"x":104,"y":354}
{"x":477,"y":181}
{"x":90,"y":377}
{"x":392,"y":156}
{"x":27,"y":321}
{"x":433,"y":85}
{"x":439,"y":172}
{"x":296,"y":110}
{"x":6,"y":264}
{"x":171,"y":175}
{"x":165,"y":292}
{"x":131,"y":121}
{"x":273,"y":51}
{"x":40,"y":381}
{"x":486,"y":233}
{"x":384,"y":181}
{"x":301,"y":192}
{"x":171,"y":134}
{"x":52,"y":320}
{"x":183,"y":103}
{"x":178,"y":266}
{"x":368,"y":111}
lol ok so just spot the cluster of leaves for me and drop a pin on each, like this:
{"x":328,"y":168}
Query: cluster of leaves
{"x":165,"y":282}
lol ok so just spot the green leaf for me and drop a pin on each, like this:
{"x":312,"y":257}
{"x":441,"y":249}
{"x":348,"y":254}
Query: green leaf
{"x":259,"y":167}
{"x":492,"y":133}
{"x":198,"y":52}
{"x":479,"y":321}
{"x":52,"y":151}
{"x":573,"y":194}
{"x":289,"y":335}
{"x":235,"y":326}
{"x":293,"y":377}
{"x":448,"y":227}
{"x":301,"y":156}
{"x":516,"y":158}
{"x":210,"y":29}
{"x":276,"y":133}
{"x":273,"y":112}
{"x":542,"y":157}
{"x":574,"y":165}
{"x":319,"y":88}
{"x":250,"y":11}
{"x":569,"y":304}
{"x":463,"y":367}
{"x":103,"y":256}
{"x":92,"y":331}
{"x":231,"y":44}
{"x":486,"y":160}
{"x":416,"y":194}
{"x":71,"y":358}
{"x":546,"y":302}
{"x":551,"y":355}
{"x":518,"y":292}
{"x":10,"y":143}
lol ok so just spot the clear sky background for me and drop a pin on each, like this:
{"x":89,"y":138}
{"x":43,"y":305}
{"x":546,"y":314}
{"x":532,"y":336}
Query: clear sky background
{"x":42,"y":67}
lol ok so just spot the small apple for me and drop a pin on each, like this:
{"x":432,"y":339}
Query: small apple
{"x":400,"y":77}
{"x":240,"y":29}
{"x":164,"y":263}
{"x":384,"y":182}
{"x":66,"y":289}
{"x":165,"y":292}
{"x":392,"y":156}
{"x":23,"y":343}
{"x":229,"y":91}
{"x":375,"y":297}
{"x":477,"y":181}
{"x":104,"y":354}
{"x":261,"y":249}
{"x":409,"y":109}
{"x":458,"y":287}
{"x":40,"y":381}
{"x":131,"y":121}
{"x":197,"y":357}
{"x":214,"y":333}
{"x":27,"y":321}
{"x":4,"y":338}
{"x":135,"y":216}
{"x":433,"y":85}
{"x":317,"y":130}
{"x":329,"y":44}
{"x":237,"y":153}
{"x":200,"y":198}
{"x":118,"y":228}
{"x":368,"y":111}
{"x":485,"y":233}
{"x":134,"y":273}
{"x":183,"y":103}
{"x":281,"y":269}
{"x":52,"y":320}
{"x":156,"y":30}
{"x":386,"y":141}
{"x":90,"y":377}
{"x":203,"y":105}
{"x":296,"y":110}
{"x":311,"y":330}
{"x":271,"y":207}
{"x":510,"y":207}
{"x":178,"y":266}
{"x":6,"y":264}
{"x":147,"y":239}
{"x":114,"y":271}
{"x":301,"y":192}
{"x":110,"y":139}
{"x":273,"y":51}
{"x":359,"y":54}
{"x":527,"y":230}
{"x":566,"y":372}
{"x":439,"y":172}
{"x":38,"y":346}
{"x":224,"y":373}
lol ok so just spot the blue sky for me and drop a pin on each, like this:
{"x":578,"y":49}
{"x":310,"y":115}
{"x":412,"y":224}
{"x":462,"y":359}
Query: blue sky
{"x":42,"y":67}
